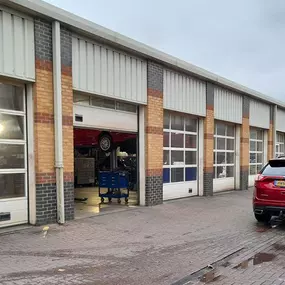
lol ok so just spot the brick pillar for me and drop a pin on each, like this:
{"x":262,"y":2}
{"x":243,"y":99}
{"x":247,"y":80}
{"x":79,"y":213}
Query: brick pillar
{"x":46,"y":206}
{"x":244,"y":145}
{"x":209,"y":124}
{"x":154,"y":135}
{"x":270,"y":134}
{"x":67,"y":120}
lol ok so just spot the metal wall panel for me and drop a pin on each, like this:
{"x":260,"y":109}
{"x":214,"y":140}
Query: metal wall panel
{"x":183,"y":93}
{"x":103,"y":71}
{"x":259,"y":114}
{"x":227,"y":105}
{"x":280,"y":120}
{"x":17,"y":51}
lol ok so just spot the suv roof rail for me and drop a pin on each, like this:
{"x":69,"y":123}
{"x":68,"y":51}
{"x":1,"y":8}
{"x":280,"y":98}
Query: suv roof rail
{"x":281,"y":156}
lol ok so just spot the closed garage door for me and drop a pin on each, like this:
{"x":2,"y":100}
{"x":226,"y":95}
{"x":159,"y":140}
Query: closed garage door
{"x":180,"y":151}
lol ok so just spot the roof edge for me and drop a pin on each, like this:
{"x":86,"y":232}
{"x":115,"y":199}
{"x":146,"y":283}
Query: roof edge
{"x":70,"y":19}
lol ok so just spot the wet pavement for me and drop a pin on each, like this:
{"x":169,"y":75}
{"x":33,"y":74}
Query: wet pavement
{"x":211,"y":240}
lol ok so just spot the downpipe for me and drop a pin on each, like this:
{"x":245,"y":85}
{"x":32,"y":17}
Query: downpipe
{"x":58,"y":122}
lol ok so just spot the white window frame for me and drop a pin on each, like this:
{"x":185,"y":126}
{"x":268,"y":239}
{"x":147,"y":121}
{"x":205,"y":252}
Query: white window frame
{"x":256,"y":151}
{"x":17,"y":142}
{"x":184,"y":149}
{"x":89,"y":104}
{"x":280,"y":142}
{"x":226,"y":151}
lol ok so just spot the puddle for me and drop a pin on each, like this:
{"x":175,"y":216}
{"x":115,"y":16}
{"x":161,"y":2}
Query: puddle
{"x":279,"y":246}
{"x":263,"y":257}
{"x":258,"y":259}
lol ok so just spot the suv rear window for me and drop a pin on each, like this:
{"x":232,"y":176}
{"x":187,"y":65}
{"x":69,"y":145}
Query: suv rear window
{"x":274,"y":168}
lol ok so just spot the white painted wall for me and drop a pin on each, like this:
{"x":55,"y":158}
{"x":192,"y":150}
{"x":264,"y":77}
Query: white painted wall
{"x":142,"y":155}
{"x":228,"y":105}
{"x":99,"y":118}
{"x":103,"y":71}
{"x":17,"y":49}
{"x":184,"y":93}
{"x":259,"y":114}
{"x":280,"y":120}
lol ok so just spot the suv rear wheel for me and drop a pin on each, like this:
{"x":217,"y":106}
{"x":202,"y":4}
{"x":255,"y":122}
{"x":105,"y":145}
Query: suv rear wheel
{"x":264,"y":218}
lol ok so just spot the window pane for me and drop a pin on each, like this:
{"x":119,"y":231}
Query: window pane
{"x":259,"y":146}
{"x":81,"y":99}
{"x":177,"y":140}
{"x":259,"y":158}
{"x":260,"y":135}
{"x":221,"y":143}
{"x":11,"y":127}
{"x":177,"y":157}
{"x":230,"y":171}
{"x":259,"y":167}
{"x":230,"y":157}
{"x":11,"y":97}
{"x":190,"y":141}
{"x":191,"y":125}
{"x":253,"y":169}
{"x":166,"y":175}
{"x":166,"y":139}
{"x":230,"y":144}
{"x":12,"y":156}
{"x":177,"y":174}
{"x":190,"y":174}
{"x":190,"y":157}
{"x":177,"y":123}
{"x":166,"y":120}
{"x":103,"y":103}
{"x":221,"y":171}
{"x":12,"y":185}
{"x":220,"y":129}
{"x":166,"y":157}
{"x":253,"y":134}
{"x":252,"y":145}
{"x":221,"y":158}
{"x":252,"y":157}
{"x":126,"y":107}
{"x":230,"y":131}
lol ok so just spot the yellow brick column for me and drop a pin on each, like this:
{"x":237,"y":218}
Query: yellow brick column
{"x":209,"y":125}
{"x":154,"y":135}
{"x":46,"y":202}
{"x":270,"y":151}
{"x":67,"y":121}
{"x":244,"y":145}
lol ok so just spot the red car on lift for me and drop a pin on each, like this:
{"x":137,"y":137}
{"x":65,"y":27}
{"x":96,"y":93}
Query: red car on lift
{"x":269,"y":191}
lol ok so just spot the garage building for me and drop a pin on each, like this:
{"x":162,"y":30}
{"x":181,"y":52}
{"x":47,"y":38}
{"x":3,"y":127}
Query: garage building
{"x":77,"y":100}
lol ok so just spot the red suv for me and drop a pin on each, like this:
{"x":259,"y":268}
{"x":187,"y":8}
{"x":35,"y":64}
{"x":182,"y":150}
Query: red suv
{"x":269,"y":191}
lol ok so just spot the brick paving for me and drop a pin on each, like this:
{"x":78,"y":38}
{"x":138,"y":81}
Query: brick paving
{"x":157,"y":245}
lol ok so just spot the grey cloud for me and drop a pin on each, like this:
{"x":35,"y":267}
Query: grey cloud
{"x":241,"y":40}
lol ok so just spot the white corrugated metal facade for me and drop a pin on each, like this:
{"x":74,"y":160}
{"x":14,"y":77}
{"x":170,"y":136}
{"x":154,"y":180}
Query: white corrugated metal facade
{"x":103,"y":71}
{"x":259,"y":114}
{"x":280,"y":120}
{"x":184,"y":93}
{"x":17,"y":50}
{"x":228,"y":105}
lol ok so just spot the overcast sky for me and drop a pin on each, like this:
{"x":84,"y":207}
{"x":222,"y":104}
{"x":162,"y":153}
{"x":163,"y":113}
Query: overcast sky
{"x":242,"y":40}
